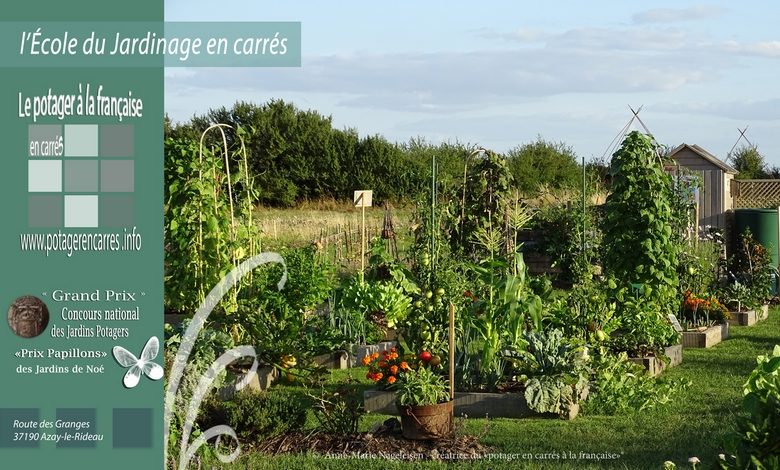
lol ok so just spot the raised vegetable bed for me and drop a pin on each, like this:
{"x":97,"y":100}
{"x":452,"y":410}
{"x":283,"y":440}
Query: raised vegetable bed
{"x":706,"y":338}
{"x":746,"y":318}
{"x":655,"y":365}
{"x":364,"y":350}
{"x":334,"y":360}
{"x":262,"y":380}
{"x":749,"y":317}
{"x":470,"y":404}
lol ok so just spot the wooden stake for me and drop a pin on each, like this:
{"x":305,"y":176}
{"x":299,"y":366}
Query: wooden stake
{"x":452,"y":351}
{"x":696,"y":224}
{"x":363,"y":245}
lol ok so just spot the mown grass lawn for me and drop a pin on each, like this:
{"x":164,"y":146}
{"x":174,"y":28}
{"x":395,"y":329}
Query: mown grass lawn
{"x":696,"y":423}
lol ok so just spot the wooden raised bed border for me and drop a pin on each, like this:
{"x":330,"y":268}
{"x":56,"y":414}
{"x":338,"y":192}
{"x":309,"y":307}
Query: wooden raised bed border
{"x":471,"y":404}
{"x":655,"y":365}
{"x":334,"y":360}
{"x":707,"y":338}
{"x":746,"y":318}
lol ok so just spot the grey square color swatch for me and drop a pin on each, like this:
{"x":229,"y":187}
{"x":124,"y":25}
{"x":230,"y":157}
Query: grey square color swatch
{"x":116,"y":176}
{"x":81,"y":176}
{"x":44,"y":210}
{"x":116,"y":140}
{"x":116,"y":210}
{"x":37,"y":133}
{"x":132,"y":428}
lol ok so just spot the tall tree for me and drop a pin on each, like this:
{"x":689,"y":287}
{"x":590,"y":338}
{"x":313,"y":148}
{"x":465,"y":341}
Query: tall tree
{"x":750,"y":163}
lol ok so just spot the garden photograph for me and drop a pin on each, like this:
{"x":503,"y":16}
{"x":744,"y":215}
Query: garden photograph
{"x":510,"y":238}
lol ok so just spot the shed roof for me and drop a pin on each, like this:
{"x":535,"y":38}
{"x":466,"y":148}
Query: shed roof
{"x":706,"y":156}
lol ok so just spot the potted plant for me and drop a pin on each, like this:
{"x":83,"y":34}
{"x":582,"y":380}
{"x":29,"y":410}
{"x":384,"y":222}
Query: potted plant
{"x":424,"y":404}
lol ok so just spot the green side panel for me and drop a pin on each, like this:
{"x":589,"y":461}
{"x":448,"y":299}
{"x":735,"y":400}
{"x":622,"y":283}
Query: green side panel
{"x":764,"y":225}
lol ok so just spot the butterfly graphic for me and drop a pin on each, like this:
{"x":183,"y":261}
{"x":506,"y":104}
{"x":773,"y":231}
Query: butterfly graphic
{"x":142,"y":366}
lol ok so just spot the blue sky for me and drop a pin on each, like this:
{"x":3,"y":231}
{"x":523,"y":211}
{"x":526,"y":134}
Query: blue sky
{"x":501,"y":73}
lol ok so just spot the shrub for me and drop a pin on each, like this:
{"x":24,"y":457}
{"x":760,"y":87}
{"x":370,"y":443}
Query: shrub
{"x":562,"y":226}
{"x":751,"y":265}
{"x":338,"y":412}
{"x":258,"y":415}
{"x":209,"y":344}
{"x":586,"y":313}
{"x":544,"y":163}
{"x":643,"y":330}
{"x":620,"y":386}
{"x":698,"y":270}
{"x":756,"y":444}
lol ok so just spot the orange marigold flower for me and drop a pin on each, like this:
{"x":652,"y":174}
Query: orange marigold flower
{"x":379,"y":376}
{"x":393,"y":370}
{"x":366,"y":360}
{"x":374,"y":355}
{"x":392,"y":356}
{"x":404,"y":366}
{"x":391,"y":379}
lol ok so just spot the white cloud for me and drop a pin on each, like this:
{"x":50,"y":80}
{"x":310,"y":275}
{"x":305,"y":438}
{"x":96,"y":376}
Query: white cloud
{"x":744,"y":111}
{"x":674,"y":15}
{"x":767,"y":49}
{"x":520,"y":35}
{"x":458,"y":81}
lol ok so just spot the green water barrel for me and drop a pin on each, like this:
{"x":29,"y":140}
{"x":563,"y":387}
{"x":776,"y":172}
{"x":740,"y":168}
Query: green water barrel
{"x":763,"y":223}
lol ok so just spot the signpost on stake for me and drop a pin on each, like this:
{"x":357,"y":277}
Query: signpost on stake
{"x":362,"y":199}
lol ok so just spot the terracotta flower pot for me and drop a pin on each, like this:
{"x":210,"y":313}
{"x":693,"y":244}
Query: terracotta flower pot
{"x":427,"y":422}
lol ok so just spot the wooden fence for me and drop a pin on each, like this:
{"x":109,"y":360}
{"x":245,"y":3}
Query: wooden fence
{"x":756,"y":194}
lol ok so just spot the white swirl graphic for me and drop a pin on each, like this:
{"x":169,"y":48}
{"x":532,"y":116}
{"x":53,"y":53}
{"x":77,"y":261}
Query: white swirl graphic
{"x":188,"y":449}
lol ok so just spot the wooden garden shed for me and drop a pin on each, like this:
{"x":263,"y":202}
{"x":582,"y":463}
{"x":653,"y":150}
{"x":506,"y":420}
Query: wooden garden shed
{"x":715,"y":196}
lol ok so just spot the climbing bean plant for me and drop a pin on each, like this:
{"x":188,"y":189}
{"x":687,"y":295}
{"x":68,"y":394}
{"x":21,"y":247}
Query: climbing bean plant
{"x":489,"y":212}
{"x":208,"y":218}
{"x":640,"y":246}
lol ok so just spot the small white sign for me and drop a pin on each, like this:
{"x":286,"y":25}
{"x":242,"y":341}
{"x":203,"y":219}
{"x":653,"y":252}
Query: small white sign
{"x":675,"y":323}
{"x":363,"y":198}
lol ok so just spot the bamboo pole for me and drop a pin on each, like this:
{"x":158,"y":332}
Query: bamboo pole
{"x":584,"y":191}
{"x":452,"y":351}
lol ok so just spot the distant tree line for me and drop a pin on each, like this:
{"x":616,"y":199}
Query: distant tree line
{"x":297,"y":155}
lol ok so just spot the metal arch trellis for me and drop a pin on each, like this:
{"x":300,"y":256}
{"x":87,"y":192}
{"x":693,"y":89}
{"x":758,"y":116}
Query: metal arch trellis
{"x":742,"y":132}
{"x":613,"y":145}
